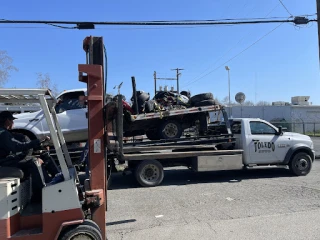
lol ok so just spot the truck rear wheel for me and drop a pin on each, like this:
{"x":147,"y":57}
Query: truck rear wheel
{"x":170,"y":129}
{"x":149,"y":173}
{"x":300,"y":164}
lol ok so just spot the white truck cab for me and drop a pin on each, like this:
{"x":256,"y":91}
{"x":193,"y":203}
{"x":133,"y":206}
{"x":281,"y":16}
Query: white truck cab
{"x":71,"y":114}
{"x":265,"y":144}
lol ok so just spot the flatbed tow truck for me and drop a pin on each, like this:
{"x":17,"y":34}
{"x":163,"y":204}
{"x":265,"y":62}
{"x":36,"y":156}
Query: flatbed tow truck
{"x":72,"y":210}
{"x":244,"y":143}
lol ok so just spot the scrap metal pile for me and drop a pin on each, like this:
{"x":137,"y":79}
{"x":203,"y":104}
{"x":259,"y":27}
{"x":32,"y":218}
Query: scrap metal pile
{"x":166,"y":100}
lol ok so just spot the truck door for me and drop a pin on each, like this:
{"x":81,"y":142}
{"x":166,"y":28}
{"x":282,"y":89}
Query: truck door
{"x":265,"y":146}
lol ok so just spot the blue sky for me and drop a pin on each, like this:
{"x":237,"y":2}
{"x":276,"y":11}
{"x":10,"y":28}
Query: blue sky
{"x":285,"y":63}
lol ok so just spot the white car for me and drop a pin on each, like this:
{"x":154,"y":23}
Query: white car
{"x":71,"y":115}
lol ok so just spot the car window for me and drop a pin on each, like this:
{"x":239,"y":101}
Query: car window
{"x":261,"y":128}
{"x":70,"y":101}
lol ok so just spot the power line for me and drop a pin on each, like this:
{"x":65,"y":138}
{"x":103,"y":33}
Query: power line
{"x":284,"y":6}
{"x":219,"y":36}
{"x":90,"y":25}
{"x":230,"y":48}
{"x":254,"y":43}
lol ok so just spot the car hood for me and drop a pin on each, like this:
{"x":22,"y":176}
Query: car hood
{"x":297,"y":135}
{"x":22,"y":116}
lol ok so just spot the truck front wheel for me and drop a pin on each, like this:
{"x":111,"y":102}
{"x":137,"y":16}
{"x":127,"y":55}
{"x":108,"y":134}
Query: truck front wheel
{"x":149,"y":173}
{"x":300,"y":164}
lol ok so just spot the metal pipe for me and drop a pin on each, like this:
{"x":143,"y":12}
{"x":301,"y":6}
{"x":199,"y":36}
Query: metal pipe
{"x":120,"y":124}
{"x":135,"y":99}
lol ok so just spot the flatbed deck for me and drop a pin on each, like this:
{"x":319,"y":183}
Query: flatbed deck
{"x":180,"y":154}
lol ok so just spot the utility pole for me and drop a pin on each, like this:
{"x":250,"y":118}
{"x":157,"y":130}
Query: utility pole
{"x":155,"y":82}
{"x":318,"y":21}
{"x":230,"y":108}
{"x":176,"y":79}
{"x":178,"y":74}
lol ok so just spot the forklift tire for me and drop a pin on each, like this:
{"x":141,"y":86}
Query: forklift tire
{"x":91,"y":223}
{"x":300,"y":164}
{"x":82,"y":231}
{"x":200,"y":97}
{"x":149,"y":173}
{"x":170,"y":129}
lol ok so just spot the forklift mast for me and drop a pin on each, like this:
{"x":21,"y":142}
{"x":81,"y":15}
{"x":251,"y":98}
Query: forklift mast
{"x":92,"y":73}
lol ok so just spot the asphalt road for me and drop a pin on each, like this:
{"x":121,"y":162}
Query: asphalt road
{"x":254,"y":204}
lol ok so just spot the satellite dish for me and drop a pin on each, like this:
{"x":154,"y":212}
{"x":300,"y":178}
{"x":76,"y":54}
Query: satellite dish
{"x":240,"y":97}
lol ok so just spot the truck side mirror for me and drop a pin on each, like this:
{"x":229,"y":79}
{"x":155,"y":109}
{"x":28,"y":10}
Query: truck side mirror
{"x":279,"y":130}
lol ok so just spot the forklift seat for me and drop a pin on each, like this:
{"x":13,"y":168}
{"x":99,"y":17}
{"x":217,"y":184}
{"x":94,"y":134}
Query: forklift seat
{"x":11,"y":172}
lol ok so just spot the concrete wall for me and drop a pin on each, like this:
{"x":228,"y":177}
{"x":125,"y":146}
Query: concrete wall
{"x":264,"y":112}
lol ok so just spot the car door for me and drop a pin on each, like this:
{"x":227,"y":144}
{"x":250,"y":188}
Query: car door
{"x":71,"y":114}
{"x":265,"y":144}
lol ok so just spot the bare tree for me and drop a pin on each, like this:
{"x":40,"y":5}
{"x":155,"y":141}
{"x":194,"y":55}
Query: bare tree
{"x":217,"y":100}
{"x":5,"y":67}
{"x":248,"y":103}
{"x":225,"y":101}
{"x":44,"y":81}
{"x":263,"y":103}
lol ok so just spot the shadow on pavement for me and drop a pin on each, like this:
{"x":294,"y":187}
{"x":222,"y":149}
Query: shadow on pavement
{"x":187,"y":177}
{"x":120,"y":222}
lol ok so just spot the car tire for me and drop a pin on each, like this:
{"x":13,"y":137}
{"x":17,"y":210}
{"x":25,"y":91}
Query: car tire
{"x":23,"y":138}
{"x":205,"y":103}
{"x":200,"y":97}
{"x":152,"y":135}
{"x":300,"y":164}
{"x":149,"y":106}
{"x":149,"y":173}
{"x":170,"y":129}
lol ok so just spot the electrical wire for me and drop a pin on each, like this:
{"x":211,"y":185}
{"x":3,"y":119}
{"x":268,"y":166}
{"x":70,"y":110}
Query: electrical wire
{"x":244,"y":50}
{"x":284,"y":6}
{"x":154,"y":23}
{"x":243,"y":7}
{"x":241,"y":39}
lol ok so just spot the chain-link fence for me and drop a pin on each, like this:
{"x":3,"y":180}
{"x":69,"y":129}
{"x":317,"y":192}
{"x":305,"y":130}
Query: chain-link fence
{"x":308,"y":128}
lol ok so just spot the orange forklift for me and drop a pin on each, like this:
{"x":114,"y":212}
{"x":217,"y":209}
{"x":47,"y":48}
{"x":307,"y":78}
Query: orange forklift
{"x":69,"y":209}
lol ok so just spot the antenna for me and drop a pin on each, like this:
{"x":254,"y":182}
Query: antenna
{"x":118,"y":86}
{"x":240,"y":97}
